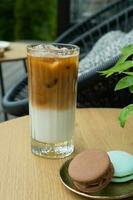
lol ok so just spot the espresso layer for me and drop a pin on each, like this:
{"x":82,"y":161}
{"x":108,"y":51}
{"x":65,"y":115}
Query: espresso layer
{"x":52,"y":81}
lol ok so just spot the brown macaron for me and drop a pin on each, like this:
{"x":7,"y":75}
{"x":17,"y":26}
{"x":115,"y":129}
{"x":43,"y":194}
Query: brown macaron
{"x":91,"y":171}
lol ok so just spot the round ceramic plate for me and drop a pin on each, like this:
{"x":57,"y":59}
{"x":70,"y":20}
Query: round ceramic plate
{"x":112,"y":191}
{"x":4,"y":44}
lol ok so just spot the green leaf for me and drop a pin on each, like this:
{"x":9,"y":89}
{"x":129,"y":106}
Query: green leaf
{"x":123,"y":58}
{"x":118,"y":68}
{"x":124,"y":114}
{"x":124,"y":83}
{"x":127,"y":50}
{"x":121,"y":64}
{"x":128,"y":73}
{"x":131,"y":89}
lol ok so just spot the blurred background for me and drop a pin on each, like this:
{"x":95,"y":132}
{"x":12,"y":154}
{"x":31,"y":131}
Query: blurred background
{"x":43,"y":19}
{"x":104,"y":26}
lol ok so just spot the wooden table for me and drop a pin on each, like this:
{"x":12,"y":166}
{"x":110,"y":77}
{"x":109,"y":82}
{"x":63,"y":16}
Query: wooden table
{"x":17,"y":51}
{"x":24,"y":176}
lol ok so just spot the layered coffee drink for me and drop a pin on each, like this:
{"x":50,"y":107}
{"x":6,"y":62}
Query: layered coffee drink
{"x":52,"y":73}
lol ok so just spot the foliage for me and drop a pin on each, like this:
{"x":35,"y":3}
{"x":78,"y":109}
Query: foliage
{"x":27,"y":19}
{"x":35,"y":19}
{"x":6,"y":19}
{"x":123,"y":66}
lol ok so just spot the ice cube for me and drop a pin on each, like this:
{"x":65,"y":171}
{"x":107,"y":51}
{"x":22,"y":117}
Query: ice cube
{"x":51,"y":47}
{"x":51,"y":50}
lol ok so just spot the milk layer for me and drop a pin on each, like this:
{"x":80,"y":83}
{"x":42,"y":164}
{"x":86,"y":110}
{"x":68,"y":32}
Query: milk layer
{"x":52,"y":126}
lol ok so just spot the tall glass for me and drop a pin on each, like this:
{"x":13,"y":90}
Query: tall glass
{"x":52,"y":74}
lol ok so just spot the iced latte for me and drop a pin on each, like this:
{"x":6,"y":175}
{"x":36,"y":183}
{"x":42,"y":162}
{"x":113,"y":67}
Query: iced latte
{"x":52,"y":73}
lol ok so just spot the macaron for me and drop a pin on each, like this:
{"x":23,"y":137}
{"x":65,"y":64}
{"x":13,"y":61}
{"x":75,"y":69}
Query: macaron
{"x":123,"y":166}
{"x":91,"y":171}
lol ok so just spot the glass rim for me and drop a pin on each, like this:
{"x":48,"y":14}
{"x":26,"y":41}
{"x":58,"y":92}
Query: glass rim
{"x":71,"y":48}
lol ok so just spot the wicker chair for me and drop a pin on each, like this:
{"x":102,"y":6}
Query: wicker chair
{"x":93,"y":21}
{"x":15,"y":101}
{"x":93,"y":90}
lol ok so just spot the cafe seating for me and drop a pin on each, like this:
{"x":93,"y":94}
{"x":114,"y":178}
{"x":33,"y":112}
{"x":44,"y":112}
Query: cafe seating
{"x":15,"y":101}
{"x":91,"y":22}
{"x":93,"y":89}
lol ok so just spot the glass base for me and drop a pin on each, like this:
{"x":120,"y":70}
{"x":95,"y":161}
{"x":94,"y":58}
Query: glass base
{"x":52,"y":150}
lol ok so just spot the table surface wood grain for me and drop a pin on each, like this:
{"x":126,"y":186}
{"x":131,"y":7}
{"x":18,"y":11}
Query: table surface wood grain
{"x":16,"y":51}
{"x":24,"y":176}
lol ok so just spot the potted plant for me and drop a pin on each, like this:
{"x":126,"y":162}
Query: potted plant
{"x":123,"y":66}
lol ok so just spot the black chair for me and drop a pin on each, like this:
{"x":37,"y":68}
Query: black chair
{"x":15,"y":101}
{"x":93,"y":21}
{"x":97,"y":91}
{"x":93,"y":90}
{"x":120,"y":21}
